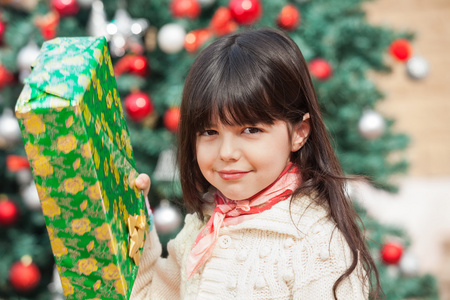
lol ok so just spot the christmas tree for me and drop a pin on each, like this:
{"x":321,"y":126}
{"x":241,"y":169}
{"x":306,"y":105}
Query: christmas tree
{"x":153,"y":44}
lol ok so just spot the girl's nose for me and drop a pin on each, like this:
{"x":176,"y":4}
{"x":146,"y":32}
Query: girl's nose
{"x":229,"y":149}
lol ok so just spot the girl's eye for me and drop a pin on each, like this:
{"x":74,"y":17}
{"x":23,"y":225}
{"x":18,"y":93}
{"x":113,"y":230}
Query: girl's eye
{"x":208,"y":132}
{"x":252,"y":130}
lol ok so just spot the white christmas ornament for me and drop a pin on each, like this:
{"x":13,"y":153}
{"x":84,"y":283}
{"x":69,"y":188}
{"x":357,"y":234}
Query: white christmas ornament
{"x":97,"y":22}
{"x":167,"y":218}
{"x":26,"y":56}
{"x":30,"y":196}
{"x":171,"y":38}
{"x":9,"y":128}
{"x":409,"y":265}
{"x":371,"y":125}
{"x":417,"y":67}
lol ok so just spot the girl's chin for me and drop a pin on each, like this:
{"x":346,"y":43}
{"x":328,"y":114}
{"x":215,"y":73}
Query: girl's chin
{"x":235,"y":197}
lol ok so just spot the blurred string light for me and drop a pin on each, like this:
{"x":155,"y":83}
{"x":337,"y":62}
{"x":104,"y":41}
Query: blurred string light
{"x":123,"y":32}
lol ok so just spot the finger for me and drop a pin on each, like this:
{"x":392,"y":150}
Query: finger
{"x":143,"y":182}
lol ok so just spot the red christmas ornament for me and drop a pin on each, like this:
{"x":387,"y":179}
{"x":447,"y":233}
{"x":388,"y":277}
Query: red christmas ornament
{"x":139,"y":65}
{"x":138,"y":106}
{"x":24,"y":275}
{"x":172,"y":119}
{"x":65,"y":7}
{"x":320,"y":68}
{"x":48,"y":24}
{"x":222,"y":22}
{"x":196,"y":38}
{"x":391,"y":253}
{"x":135,"y":64}
{"x":401,"y":49}
{"x":9,"y":213}
{"x":2,"y":31}
{"x":289,"y":17}
{"x":6,"y":77}
{"x":245,"y":12}
{"x":16,"y":163}
{"x":185,"y":8}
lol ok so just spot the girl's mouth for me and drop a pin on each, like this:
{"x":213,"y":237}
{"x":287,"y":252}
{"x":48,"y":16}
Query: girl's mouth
{"x":232,"y":174}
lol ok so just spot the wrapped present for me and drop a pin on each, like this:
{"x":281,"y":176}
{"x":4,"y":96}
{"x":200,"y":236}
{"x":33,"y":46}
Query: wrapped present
{"x":78,"y":145}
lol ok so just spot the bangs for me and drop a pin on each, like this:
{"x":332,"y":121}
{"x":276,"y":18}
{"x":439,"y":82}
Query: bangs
{"x":231,"y":108}
{"x":237,"y":94}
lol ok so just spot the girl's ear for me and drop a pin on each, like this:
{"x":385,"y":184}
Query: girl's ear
{"x":300,"y":133}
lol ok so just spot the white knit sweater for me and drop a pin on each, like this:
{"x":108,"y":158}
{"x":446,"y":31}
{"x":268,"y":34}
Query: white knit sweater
{"x":266,"y":257}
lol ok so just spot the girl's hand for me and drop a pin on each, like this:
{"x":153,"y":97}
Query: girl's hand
{"x":143,"y":183}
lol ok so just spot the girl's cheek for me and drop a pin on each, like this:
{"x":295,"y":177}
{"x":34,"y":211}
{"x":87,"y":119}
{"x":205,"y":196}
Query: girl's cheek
{"x":203,"y":152}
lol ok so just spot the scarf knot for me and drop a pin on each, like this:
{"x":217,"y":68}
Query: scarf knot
{"x":229,"y":212}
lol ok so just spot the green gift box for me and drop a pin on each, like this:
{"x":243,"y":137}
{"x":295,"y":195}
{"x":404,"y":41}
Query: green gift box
{"x":78,"y":145}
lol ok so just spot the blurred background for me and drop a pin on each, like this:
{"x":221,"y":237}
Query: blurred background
{"x":422,"y":110}
{"x":380,"y":69}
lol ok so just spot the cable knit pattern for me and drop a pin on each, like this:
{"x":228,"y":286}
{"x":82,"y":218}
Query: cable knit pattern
{"x":266,"y":257}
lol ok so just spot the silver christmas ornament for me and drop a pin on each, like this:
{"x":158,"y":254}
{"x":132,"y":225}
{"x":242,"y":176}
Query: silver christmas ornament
{"x":166,"y":217}
{"x":349,"y":189}
{"x":166,"y":168}
{"x":371,"y":125}
{"x":417,"y":67}
{"x":125,"y":33}
{"x":55,"y":287}
{"x":24,"y":177}
{"x":30,"y":197}
{"x":171,"y":38}
{"x":393,"y":271}
{"x":9,"y":129}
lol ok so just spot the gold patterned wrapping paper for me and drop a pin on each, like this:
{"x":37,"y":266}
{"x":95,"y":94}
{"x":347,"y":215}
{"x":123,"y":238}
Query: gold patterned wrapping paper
{"x":78,"y":145}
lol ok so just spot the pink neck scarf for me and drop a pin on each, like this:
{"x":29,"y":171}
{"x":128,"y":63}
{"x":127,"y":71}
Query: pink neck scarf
{"x":229,"y":212}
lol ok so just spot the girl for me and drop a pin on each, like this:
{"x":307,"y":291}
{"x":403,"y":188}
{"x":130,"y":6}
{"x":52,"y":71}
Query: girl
{"x":269,"y":215}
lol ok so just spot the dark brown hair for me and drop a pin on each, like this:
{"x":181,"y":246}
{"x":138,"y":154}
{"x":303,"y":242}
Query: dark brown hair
{"x":259,"y":76}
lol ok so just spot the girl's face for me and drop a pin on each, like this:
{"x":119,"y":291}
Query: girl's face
{"x":240,"y":161}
